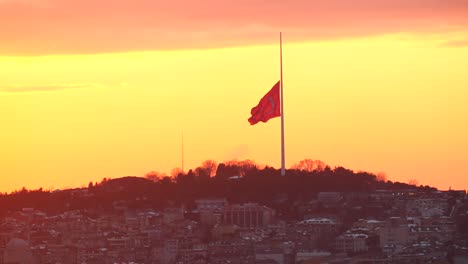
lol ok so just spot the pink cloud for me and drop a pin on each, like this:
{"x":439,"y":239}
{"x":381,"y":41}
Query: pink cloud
{"x":31,"y":27}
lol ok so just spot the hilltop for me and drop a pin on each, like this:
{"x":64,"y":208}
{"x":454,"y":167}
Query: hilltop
{"x":237,"y":182}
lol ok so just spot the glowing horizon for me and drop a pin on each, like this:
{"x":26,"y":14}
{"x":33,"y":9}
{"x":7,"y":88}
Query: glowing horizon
{"x":86,"y":95}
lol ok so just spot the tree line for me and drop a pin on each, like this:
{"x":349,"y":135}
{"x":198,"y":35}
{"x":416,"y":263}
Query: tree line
{"x":237,"y":181}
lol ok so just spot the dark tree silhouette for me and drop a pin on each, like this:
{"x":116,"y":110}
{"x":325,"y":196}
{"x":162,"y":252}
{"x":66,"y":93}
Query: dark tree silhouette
{"x":309,"y":165}
{"x":265,"y":186}
{"x":210,"y":166}
{"x":153,"y":176}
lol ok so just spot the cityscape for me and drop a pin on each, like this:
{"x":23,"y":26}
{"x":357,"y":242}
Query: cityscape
{"x":233,"y":132}
{"x":124,"y":220}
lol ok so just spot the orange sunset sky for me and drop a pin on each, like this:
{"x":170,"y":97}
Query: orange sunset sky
{"x":93,"y":89}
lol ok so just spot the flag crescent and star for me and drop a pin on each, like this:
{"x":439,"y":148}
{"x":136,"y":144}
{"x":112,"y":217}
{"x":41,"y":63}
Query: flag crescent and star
{"x":268,"y":107}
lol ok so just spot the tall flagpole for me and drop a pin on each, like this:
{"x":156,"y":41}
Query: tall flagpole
{"x":182,"y":151}
{"x":283,"y":170}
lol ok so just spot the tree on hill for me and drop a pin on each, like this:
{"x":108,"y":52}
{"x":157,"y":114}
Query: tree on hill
{"x":176,"y":172}
{"x":153,"y":176}
{"x":210,"y":166}
{"x":309,"y":165}
{"x":265,"y":186}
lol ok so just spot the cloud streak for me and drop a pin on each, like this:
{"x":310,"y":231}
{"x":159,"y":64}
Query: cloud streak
{"x":47,"y":88}
{"x":456,"y":43}
{"x":88,"y":26}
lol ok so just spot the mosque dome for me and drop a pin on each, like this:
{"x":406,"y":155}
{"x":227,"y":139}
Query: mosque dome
{"x":16,"y":243}
{"x":17,"y":251}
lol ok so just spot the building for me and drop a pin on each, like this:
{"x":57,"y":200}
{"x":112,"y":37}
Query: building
{"x":369,"y":224}
{"x":17,"y":251}
{"x":118,"y":242}
{"x":394,"y":234}
{"x":197,"y":254}
{"x":247,"y":215}
{"x":353,"y":243}
{"x":312,"y":257}
{"x":318,"y":226}
{"x":427,"y":207}
{"x":169,"y":254}
{"x":329,"y":198}
{"x":273,"y":255}
{"x":210,"y":218}
{"x":208,"y":204}
{"x":172,"y":215}
{"x":223,"y":231}
{"x":55,"y":253}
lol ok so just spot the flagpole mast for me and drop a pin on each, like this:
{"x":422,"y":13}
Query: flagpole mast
{"x":182,"y":151}
{"x":283,"y":170}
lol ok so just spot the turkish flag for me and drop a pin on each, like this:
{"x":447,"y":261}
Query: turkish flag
{"x":268,"y":107}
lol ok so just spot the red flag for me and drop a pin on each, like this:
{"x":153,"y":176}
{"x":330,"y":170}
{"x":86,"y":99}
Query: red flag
{"x":268,"y":107}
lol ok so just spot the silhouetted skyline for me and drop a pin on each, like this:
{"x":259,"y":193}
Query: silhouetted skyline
{"x":94,"y":89}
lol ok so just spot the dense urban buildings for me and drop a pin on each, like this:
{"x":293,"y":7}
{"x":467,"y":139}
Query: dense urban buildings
{"x":379,"y":226}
